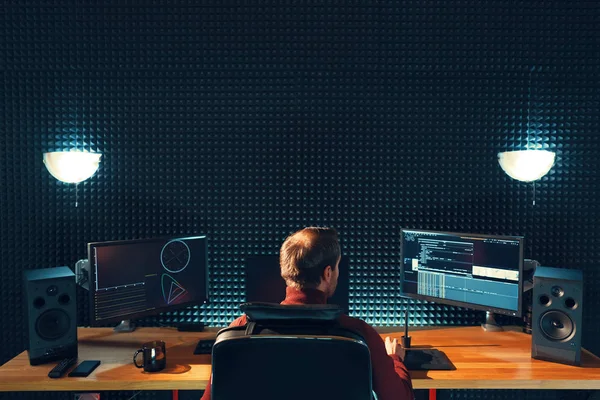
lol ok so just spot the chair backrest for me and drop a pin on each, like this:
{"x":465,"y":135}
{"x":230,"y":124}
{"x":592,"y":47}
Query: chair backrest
{"x":293,"y":353}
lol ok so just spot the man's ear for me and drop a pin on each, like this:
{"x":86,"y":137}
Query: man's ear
{"x":327,"y":273}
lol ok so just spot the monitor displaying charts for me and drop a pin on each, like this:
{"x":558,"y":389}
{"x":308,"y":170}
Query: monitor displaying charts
{"x":137,"y":278}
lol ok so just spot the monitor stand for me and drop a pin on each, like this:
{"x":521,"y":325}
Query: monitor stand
{"x":490,"y":324}
{"x":125,"y":326}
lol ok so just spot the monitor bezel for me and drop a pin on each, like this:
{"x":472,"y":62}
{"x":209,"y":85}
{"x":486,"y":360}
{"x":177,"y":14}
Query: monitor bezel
{"x":148,"y":313}
{"x":473,"y":306}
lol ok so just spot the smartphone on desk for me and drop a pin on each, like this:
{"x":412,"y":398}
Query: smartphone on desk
{"x":84,"y":368}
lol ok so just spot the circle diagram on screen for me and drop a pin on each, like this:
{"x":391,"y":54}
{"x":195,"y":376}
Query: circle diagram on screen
{"x":175,"y":256}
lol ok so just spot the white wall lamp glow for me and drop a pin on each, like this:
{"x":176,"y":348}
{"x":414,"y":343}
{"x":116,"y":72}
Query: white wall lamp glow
{"x":72,"y":166}
{"x":530,"y":164}
{"x":526,"y":165}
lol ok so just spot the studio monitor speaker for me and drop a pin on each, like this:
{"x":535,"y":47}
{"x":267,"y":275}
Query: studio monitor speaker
{"x":557,"y":315}
{"x":50,"y":312}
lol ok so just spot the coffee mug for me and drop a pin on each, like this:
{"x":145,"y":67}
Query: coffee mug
{"x":154,"y":356}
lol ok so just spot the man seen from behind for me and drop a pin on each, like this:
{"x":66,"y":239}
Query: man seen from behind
{"x":309,"y":261}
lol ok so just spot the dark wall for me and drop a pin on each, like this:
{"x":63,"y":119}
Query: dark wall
{"x":248,"y":120}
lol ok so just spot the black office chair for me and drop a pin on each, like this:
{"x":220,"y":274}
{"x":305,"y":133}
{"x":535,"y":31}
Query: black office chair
{"x":291,"y":353}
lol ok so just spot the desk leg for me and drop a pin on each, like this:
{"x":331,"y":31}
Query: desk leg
{"x":432,"y":394}
{"x":175,"y":394}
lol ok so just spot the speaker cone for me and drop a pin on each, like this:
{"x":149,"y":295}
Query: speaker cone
{"x":556,"y":325}
{"x":52,"y":324}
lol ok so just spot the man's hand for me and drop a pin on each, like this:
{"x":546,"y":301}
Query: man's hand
{"x":392,"y":347}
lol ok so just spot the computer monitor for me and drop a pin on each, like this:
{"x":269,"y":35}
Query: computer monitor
{"x":482,"y":272}
{"x":136,"y":278}
{"x":265,"y":284}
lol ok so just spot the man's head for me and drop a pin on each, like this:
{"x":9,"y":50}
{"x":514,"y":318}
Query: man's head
{"x":310,"y":257}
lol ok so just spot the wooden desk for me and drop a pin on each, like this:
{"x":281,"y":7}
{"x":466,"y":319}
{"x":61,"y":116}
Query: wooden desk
{"x":484,"y":360}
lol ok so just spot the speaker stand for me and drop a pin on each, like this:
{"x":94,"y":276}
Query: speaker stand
{"x":125,"y":326}
{"x":490,"y":324}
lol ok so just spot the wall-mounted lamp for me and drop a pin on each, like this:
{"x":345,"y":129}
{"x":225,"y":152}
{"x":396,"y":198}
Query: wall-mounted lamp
{"x":72,"y":166}
{"x":526,"y":165}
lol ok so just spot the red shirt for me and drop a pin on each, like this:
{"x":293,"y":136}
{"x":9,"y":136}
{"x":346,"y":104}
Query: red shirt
{"x":391,"y":380}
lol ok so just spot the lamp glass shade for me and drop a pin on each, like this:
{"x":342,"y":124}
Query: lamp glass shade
{"x":72,"y":166}
{"x":526,"y":165}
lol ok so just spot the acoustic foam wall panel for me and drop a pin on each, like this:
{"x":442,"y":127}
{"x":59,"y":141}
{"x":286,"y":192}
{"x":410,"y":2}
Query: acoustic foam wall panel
{"x":247,"y":121}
